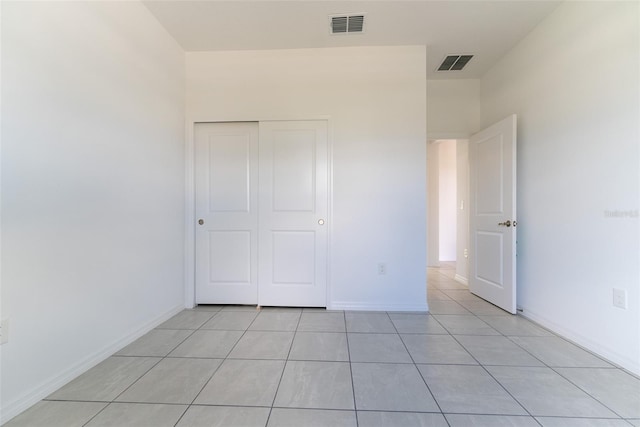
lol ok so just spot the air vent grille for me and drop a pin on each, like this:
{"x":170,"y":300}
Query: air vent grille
{"x":356,"y":24}
{"x":454,"y":62}
{"x":344,"y":24}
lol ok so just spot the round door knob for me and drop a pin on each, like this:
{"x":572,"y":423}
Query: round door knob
{"x":321,"y":221}
{"x":201,"y":221}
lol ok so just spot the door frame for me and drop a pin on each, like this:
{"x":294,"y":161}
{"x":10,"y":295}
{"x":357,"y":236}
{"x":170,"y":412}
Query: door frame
{"x":190,"y":193}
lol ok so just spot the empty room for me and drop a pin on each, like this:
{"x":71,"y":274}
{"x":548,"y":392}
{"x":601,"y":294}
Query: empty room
{"x":232,"y":213}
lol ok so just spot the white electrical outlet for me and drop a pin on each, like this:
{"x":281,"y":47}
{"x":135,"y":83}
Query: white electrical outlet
{"x":620,"y":298}
{"x":382,"y":268}
{"x":4,"y":331}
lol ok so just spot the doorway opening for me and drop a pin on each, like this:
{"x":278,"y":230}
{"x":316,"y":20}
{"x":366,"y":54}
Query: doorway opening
{"x":448,"y":198}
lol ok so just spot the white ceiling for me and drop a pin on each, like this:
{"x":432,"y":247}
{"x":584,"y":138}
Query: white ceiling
{"x":486,"y":29}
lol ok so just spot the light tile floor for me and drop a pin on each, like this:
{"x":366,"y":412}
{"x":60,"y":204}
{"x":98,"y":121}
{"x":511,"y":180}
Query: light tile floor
{"x":466,"y":363}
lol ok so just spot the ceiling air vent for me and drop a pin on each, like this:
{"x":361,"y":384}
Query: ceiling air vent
{"x":454,"y":62}
{"x":343,"y":24}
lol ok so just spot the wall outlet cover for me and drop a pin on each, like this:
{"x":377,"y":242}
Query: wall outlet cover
{"x":4,"y":331}
{"x":620,"y":298}
{"x":382,"y":268}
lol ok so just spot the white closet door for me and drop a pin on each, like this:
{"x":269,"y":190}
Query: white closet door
{"x":293,"y":213}
{"x":226,"y":183}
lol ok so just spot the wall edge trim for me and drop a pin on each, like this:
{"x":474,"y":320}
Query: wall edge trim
{"x":587,"y":344}
{"x":460,"y":279}
{"x":364,"y":306}
{"x":36,"y":394}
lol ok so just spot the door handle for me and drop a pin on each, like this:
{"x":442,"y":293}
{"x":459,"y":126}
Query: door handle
{"x":201,"y":221}
{"x":321,"y":221}
{"x":507,"y":223}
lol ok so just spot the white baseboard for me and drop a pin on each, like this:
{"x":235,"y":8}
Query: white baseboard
{"x":36,"y":394}
{"x":463,"y":280}
{"x":624,"y":362}
{"x":359,"y":306}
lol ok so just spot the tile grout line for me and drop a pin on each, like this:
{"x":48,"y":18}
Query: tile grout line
{"x":284,"y":368}
{"x":221,"y":363}
{"x":510,"y":338}
{"x":154,"y":365}
{"x":545,"y":365}
{"x":98,"y":413}
{"x":539,"y":326}
{"x":568,"y":341}
{"x":212,"y":374}
{"x":489,"y":373}
{"x":585,"y":391}
{"x":214,"y":371}
{"x":554,"y":369}
{"x":418,"y":370}
{"x":148,"y":370}
{"x":500,"y":334}
{"x":353,"y":386}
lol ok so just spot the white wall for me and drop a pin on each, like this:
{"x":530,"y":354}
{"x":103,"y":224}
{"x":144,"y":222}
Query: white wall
{"x":462,"y":211}
{"x":574,"y":84}
{"x":453,"y":108}
{"x":433,"y":202}
{"x":92,"y":187}
{"x":375,"y":98}
{"x":447,"y":215}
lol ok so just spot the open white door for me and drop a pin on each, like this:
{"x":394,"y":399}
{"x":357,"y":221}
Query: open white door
{"x":293,"y":213}
{"x":492,"y":261}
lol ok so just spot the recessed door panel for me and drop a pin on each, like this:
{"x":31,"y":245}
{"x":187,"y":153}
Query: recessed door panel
{"x":229,"y":163}
{"x":489,"y":176}
{"x":294,"y":170}
{"x":293,"y":258}
{"x":489,"y":267}
{"x":230,"y":257}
